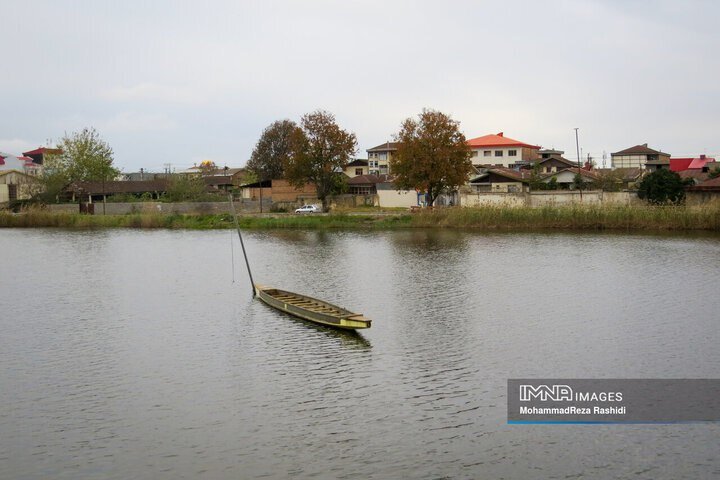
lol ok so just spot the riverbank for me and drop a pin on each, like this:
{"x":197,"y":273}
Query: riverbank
{"x":573,"y":217}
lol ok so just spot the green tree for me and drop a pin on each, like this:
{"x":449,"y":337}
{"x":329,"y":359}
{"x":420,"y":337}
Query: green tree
{"x":320,"y":149}
{"x":661,"y":187}
{"x":273,"y":151}
{"x":432,"y":155}
{"x":185,"y":188}
{"x":714,"y":173}
{"x":610,"y":180}
{"x":85,"y":157}
{"x":535,"y":182}
{"x":579,"y":182}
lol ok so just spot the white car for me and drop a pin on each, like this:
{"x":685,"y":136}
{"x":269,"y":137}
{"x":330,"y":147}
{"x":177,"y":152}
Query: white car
{"x":308,"y":209}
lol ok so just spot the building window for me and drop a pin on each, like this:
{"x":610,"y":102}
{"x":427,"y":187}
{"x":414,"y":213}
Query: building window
{"x":383,"y":156}
{"x":498,"y":153}
{"x":358,"y":171}
{"x":474,"y":153}
{"x":512,"y":153}
{"x":486,"y":153}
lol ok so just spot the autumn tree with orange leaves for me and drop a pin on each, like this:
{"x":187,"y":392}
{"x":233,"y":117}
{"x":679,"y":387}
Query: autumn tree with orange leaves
{"x":432,"y":155}
{"x":320,"y":151}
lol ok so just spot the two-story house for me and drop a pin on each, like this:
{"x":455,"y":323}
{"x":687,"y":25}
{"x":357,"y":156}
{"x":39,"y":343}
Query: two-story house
{"x":499,"y":150}
{"x":640,"y":156}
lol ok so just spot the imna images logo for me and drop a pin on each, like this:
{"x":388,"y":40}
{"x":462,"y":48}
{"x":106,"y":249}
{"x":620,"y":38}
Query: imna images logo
{"x":555,"y":393}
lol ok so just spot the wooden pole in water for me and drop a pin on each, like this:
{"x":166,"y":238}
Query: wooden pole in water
{"x":237,"y":226}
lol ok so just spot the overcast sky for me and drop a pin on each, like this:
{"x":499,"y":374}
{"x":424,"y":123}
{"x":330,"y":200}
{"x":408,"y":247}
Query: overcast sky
{"x":180,"y":82}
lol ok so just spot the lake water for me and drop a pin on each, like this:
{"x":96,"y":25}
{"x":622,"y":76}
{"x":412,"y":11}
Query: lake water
{"x":132,"y":354}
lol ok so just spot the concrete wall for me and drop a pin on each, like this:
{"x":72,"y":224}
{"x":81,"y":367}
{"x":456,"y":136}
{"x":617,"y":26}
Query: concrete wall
{"x":186,"y":208}
{"x":479,"y":199}
{"x":544,"y":198}
{"x":63,"y":208}
{"x":348,"y":200}
{"x":397,"y":198}
{"x":700,"y":198}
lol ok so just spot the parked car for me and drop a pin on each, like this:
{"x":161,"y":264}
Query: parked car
{"x":308,"y":209}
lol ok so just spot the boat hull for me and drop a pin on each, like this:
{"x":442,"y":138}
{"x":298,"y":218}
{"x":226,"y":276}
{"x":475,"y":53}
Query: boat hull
{"x":311,"y":309}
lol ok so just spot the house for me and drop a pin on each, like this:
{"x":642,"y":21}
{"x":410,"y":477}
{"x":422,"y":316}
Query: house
{"x":501,"y":151}
{"x":553,"y":164}
{"x":565,"y":179}
{"x":235,"y":175}
{"x":356,"y":168}
{"x":22,"y":164}
{"x":379,"y":158}
{"x":366,"y":184}
{"x":97,"y":191}
{"x":38,"y":155}
{"x":278,"y":190}
{"x":708,"y":190}
{"x":697,"y":176}
{"x":16,"y":185}
{"x":142,"y":175}
{"x":502,"y":180}
{"x":550,"y":152}
{"x":640,"y":156}
{"x":219,"y":182}
{"x":682,"y":164}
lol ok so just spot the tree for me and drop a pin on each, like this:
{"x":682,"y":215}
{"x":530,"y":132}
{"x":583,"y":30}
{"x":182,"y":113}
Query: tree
{"x":319,"y":150}
{"x":432,"y":155}
{"x":207,"y":168}
{"x":661,"y":187}
{"x":85,"y":157}
{"x":579,"y":182}
{"x":273,"y":150}
{"x":714,"y":173}
{"x":185,"y":188}
{"x":610,"y":180}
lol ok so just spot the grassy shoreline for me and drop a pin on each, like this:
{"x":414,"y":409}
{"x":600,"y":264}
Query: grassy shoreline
{"x":496,"y":218}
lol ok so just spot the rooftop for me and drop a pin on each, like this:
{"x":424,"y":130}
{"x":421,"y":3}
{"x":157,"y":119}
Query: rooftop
{"x":385,"y":147}
{"x":498,"y":140}
{"x":640,"y":150}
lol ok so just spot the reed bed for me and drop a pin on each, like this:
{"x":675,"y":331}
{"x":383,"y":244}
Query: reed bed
{"x":501,"y":217}
{"x":576,"y":217}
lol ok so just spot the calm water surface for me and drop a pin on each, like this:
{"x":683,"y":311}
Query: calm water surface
{"x":132,"y":354}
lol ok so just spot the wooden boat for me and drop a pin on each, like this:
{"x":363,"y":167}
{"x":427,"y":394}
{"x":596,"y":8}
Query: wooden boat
{"x":311,"y":309}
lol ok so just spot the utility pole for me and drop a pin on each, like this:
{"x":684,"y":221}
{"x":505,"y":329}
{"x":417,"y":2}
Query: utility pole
{"x":577,"y":148}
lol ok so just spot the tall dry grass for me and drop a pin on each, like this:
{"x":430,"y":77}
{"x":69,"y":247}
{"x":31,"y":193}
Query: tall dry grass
{"x":576,"y":217}
{"x":499,"y":217}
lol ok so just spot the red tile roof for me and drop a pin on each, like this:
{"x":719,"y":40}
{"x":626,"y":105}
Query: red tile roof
{"x":499,"y":140}
{"x":2,"y":160}
{"x":43,"y":150}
